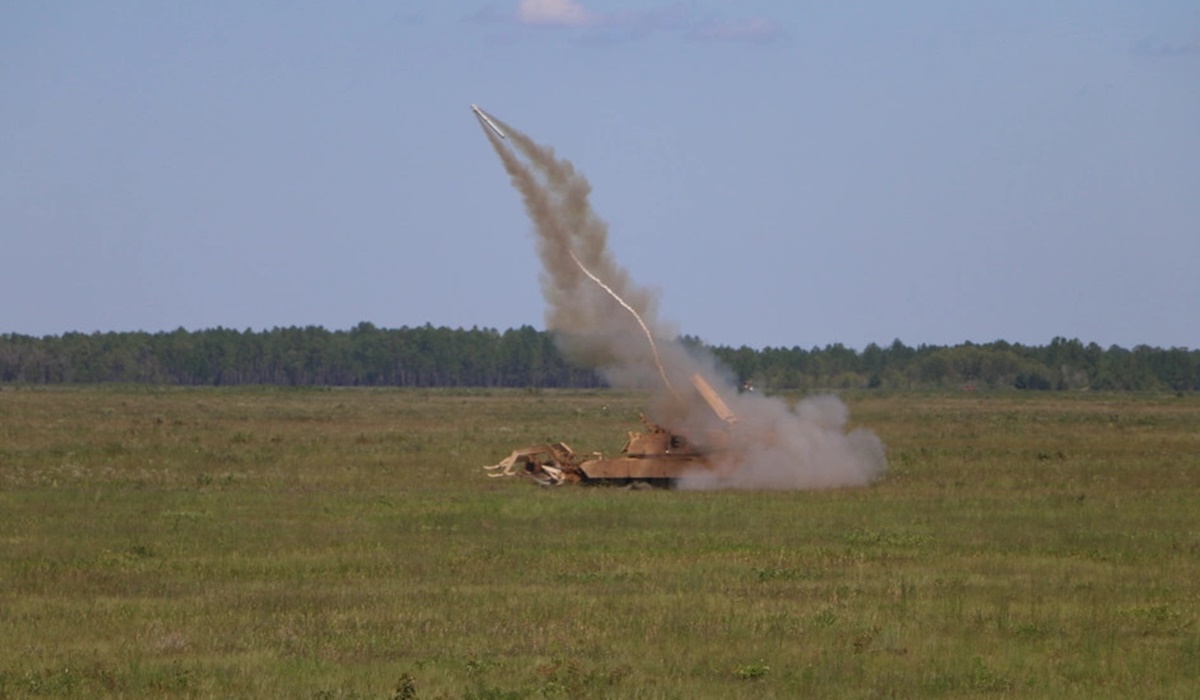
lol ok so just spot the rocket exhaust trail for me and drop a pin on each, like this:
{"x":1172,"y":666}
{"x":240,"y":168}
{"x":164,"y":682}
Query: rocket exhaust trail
{"x":775,"y":445}
{"x":650,"y":337}
{"x":568,"y":232}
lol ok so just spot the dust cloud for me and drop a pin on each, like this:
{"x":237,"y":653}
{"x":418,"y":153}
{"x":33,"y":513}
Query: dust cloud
{"x":601,"y":318}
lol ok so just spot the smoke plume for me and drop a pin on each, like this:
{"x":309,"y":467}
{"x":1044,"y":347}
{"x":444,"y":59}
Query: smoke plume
{"x":601,"y":318}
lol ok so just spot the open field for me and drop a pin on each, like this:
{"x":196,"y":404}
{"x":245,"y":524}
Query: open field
{"x":346,"y":544}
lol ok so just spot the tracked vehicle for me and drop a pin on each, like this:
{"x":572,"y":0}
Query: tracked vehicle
{"x":655,"y":455}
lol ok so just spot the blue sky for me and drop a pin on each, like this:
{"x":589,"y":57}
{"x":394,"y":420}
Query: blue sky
{"x":782,"y":173}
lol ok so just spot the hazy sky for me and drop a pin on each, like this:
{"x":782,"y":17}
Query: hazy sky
{"x":783,"y":173}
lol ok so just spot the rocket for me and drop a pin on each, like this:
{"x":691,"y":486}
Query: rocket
{"x":487,"y":121}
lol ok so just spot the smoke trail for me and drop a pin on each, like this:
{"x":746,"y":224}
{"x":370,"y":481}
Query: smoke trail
{"x":773,"y":445}
{"x":630,"y":309}
{"x":572,"y":240}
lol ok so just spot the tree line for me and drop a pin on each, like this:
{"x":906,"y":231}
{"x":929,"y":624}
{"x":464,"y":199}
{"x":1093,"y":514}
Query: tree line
{"x":428,"y":356}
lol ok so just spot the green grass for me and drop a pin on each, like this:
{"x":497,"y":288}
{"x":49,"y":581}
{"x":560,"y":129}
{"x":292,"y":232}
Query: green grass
{"x":346,"y":544}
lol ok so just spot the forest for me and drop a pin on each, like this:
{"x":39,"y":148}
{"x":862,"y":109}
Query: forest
{"x":428,"y":356}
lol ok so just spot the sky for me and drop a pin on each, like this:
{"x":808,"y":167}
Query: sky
{"x":779,"y":173}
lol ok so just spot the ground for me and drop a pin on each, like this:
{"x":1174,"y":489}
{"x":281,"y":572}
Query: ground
{"x":345,"y":543}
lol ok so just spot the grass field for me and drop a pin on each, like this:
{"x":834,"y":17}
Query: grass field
{"x":346,"y":544}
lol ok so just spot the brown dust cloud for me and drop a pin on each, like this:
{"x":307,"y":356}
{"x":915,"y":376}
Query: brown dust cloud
{"x":601,"y":318}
